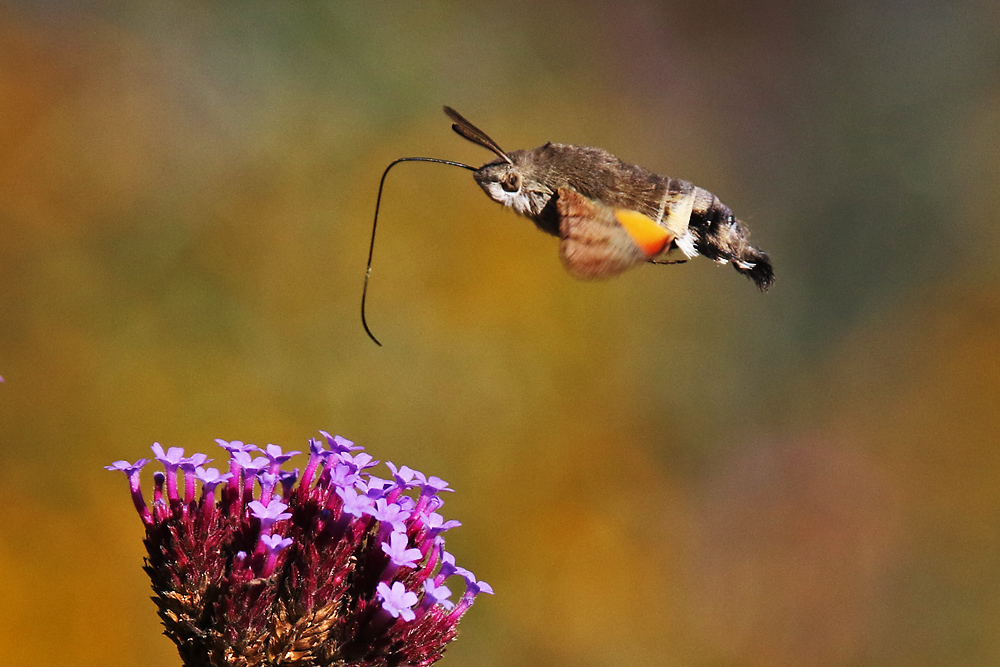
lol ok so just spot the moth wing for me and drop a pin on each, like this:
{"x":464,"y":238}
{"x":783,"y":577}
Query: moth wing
{"x":599,"y":241}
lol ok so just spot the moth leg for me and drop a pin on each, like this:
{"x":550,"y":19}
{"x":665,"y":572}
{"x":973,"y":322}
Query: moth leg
{"x":668,"y":261}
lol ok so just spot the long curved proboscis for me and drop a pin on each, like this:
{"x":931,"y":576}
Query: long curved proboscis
{"x":378,"y":202}
{"x":469,"y":131}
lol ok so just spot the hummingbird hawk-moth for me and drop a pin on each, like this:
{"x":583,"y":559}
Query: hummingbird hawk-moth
{"x":610,"y":216}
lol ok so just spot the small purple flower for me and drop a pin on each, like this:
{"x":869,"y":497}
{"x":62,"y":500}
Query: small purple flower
{"x":277,"y":457}
{"x":429,"y":499}
{"x":170,"y":459}
{"x":316,"y":447}
{"x":250,"y":468}
{"x":188,"y":466}
{"x":373,"y":487}
{"x":234,"y":466}
{"x":343,"y":476}
{"x":267,"y":480}
{"x":269,"y":514}
{"x":211,"y":477}
{"x":128,"y":468}
{"x":448,"y":567}
{"x":339,"y":444}
{"x":317,"y":456}
{"x":397,"y":600}
{"x":287,"y":480}
{"x":195,"y":460}
{"x":404,"y":475}
{"x":360,"y":461}
{"x":437,"y":594}
{"x":481,"y":587}
{"x":472,"y":589}
{"x":250,"y":464}
{"x":435,"y":485}
{"x":131,"y":471}
{"x":354,"y":504}
{"x":397,"y":552}
{"x":389,"y":514}
{"x":235,"y":446}
{"x":275,"y":543}
{"x":436,"y":523}
{"x":236,"y":587}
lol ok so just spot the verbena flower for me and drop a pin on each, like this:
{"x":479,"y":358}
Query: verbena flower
{"x":336,"y":568}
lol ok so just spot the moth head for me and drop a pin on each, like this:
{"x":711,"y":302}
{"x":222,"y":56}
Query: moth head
{"x":508,"y":179}
{"x":510,"y":184}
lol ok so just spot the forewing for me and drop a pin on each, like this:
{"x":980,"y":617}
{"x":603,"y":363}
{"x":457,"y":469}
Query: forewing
{"x":599,"y":241}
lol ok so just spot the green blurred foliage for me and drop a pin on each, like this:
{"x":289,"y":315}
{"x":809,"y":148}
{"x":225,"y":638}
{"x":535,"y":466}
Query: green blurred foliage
{"x":666,"y":468}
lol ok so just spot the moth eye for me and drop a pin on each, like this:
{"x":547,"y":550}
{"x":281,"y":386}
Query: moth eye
{"x":512,"y":183}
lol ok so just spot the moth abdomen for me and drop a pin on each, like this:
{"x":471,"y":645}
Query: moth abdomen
{"x":721,"y":236}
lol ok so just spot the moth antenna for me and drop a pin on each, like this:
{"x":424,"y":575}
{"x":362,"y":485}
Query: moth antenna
{"x":371,"y":247}
{"x":469,"y":131}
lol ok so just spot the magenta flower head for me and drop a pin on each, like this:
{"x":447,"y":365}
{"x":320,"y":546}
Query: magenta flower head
{"x":322,"y":576}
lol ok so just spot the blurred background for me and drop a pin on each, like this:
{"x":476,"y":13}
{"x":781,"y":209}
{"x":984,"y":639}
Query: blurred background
{"x":667,"y":468}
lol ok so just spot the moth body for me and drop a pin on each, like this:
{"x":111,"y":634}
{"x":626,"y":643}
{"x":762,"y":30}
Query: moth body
{"x":611,"y":215}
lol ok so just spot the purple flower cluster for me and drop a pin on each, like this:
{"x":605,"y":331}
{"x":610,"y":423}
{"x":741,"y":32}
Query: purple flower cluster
{"x":336,"y":567}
